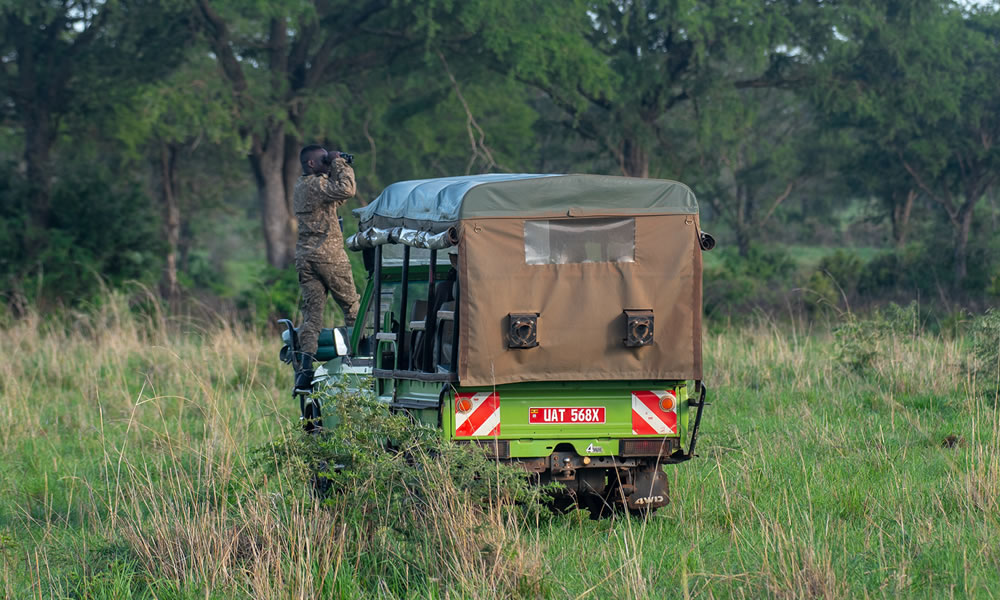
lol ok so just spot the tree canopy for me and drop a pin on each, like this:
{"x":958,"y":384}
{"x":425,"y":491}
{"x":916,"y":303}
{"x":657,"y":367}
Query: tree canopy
{"x":788,"y":118}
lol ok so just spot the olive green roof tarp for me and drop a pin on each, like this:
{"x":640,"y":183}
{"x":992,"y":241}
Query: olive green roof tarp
{"x":434,"y":205}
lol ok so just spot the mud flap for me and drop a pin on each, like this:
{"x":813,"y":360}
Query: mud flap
{"x":650,"y":489}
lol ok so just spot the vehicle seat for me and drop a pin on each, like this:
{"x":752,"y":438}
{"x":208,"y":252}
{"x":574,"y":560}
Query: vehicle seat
{"x":445,"y":332}
{"x":413,"y":347}
{"x":424,"y":345}
{"x":327,"y":348}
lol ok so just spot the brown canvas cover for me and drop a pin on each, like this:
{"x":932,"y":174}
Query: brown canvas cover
{"x":580,"y":305}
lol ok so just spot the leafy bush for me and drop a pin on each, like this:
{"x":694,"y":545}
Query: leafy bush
{"x":986,"y":352}
{"x":741,"y":283}
{"x":881,"y":274}
{"x":861,"y":342}
{"x":994,"y":288}
{"x":844,"y":268}
{"x":435,"y":506}
{"x":380,"y":454}
{"x":102,"y":232}
{"x":274,"y":296}
{"x":835,"y":277}
{"x":926,"y":267}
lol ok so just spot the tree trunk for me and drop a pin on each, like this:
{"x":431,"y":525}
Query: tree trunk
{"x":171,"y":220}
{"x":267,"y":159}
{"x":39,"y":137}
{"x":292,"y":170}
{"x":744,"y":214}
{"x":635,"y":159}
{"x":901,"y":216}
{"x":962,"y":230}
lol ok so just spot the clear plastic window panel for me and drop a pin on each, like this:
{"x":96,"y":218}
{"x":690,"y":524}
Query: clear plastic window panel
{"x":564,"y":241}
{"x":392,"y":255}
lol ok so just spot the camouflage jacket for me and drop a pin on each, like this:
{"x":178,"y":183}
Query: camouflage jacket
{"x":315,"y":202}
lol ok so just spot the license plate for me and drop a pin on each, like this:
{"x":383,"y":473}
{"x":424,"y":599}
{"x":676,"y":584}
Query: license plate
{"x":566,"y":414}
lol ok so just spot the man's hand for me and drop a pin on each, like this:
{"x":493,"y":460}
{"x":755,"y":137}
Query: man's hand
{"x":335,"y":154}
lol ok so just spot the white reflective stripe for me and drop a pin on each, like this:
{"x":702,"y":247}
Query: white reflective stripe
{"x":338,"y":338}
{"x":649,"y":416}
{"x":490,"y":424}
{"x":477,"y":401}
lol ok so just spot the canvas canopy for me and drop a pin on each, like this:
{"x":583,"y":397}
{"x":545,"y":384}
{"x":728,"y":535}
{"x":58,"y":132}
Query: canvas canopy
{"x":434,"y":205}
{"x":580,"y":253}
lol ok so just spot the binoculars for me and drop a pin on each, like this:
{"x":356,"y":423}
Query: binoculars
{"x":331,"y":156}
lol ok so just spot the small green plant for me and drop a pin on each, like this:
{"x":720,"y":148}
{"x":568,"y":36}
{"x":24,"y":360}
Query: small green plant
{"x":374,"y":453}
{"x":739,"y":283}
{"x":986,"y":352}
{"x":835,"y":280}
{"x":860,"y":342}
{"x":441,"y":507}
{"x":994,"y":288}
{"x":274,"y":296}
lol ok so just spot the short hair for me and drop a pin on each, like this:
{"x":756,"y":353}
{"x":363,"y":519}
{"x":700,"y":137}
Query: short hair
{"x":307,"y":153}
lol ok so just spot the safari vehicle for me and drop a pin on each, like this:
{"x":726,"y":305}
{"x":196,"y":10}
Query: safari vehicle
{"x":554,"y":320}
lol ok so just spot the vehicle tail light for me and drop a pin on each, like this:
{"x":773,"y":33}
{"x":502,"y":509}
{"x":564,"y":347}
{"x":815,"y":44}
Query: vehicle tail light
{"x":668,"y":401}
{"x":463,"y":405}
{"x":647,"y":447}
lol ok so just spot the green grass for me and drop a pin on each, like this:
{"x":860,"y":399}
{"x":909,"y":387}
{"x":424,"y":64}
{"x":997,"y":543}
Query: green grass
{"x":126,"y":474}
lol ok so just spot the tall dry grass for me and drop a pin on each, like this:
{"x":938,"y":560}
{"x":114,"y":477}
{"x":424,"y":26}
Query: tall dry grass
{"x":167,"y":414}
{"x":133,"y":437}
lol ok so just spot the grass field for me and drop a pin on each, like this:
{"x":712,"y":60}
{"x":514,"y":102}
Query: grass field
{"x":126,"y":473}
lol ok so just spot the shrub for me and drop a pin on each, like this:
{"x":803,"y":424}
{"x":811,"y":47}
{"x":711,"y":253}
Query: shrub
{"x":835,"y":277}
{"x":740,"y":283}
{"x":986,"y":352}
{"x":861,"y":342}
{"x":102,"y":232}
{"x":409,"y":497}
{"x":274,"y":296}
{"x":844,"y":268}
{"x":881,"y":274}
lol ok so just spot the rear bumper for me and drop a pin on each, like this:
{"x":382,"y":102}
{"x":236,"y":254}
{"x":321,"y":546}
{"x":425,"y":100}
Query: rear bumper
{"x":598,"y":450}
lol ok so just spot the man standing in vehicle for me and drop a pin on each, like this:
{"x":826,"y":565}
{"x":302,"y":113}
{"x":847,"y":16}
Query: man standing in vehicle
{"x":327,"y":181}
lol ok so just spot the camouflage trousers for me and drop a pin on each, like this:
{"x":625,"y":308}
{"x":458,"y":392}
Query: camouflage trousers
{"x":316,"y":279}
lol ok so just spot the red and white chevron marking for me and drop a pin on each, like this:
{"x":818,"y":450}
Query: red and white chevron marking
{"x":647,"y":416}
{"x":482,"y":419}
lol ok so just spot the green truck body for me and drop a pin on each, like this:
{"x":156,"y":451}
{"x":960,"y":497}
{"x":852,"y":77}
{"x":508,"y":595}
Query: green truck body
{"x":605,"y":439}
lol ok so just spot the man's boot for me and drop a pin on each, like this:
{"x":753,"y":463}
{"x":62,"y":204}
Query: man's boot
{"x":304,"y":377}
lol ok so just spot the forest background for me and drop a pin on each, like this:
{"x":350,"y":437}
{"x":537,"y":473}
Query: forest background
{"x":844,"y":152}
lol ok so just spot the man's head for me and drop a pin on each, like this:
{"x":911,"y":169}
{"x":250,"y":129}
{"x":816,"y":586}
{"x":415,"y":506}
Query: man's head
{"x":312,"y":159}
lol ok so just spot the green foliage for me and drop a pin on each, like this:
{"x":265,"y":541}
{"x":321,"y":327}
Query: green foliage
{"x":994,"y":289}
{"x":885,"y":58}
{"x":925,"y":267}
{"x":842,"y":267}
{"x":835,"y":279}
{"x":102,"y":232}
{"x":275,"y":295}
{"x":985,"y":334}
{"x":189,"y":104}
{"x":862,"y":342}
{"x":396,"y":480}
{"x":373,"y":453}
{"x":739,"y":284}
{"x":778,"y":115}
